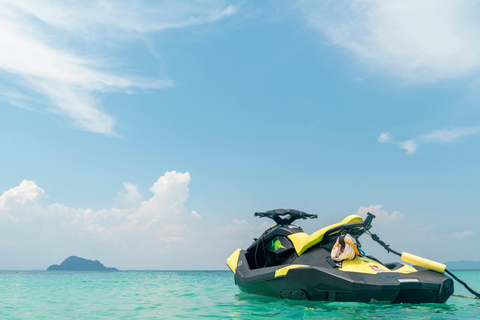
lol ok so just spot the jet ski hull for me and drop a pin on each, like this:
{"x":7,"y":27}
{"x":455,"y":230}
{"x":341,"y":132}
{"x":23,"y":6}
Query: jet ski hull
{"x":324,"y":283}
{"x":284,"y":262}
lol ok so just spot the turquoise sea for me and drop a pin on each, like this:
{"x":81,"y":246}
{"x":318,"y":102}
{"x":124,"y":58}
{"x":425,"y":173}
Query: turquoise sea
{"x":190,"y":295}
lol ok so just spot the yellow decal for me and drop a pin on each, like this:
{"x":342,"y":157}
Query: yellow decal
{"x":233,"y":259}
{"x":298,"y":239}
{"x":363,"y":265}
{"x":406,"y":269}
{"x":283,"y":271}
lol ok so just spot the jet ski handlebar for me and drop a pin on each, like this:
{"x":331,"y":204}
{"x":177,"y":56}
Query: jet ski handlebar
{"x":285,"y":216}
{"x":367,"y":224}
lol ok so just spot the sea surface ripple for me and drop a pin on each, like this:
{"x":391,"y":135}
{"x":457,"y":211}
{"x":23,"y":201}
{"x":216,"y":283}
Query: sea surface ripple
{"x":190,"y":295}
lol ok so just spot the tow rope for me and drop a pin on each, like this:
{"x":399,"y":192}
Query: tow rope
{"x":387,"y":247}
{"x":345,"y":248}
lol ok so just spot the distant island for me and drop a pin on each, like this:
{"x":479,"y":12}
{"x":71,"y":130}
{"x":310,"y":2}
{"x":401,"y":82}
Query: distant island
{"x":75,"y":263}
{"x":463,"y":265}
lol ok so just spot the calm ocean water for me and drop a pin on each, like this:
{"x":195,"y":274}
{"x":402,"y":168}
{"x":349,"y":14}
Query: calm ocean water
{"x":189,"y":294}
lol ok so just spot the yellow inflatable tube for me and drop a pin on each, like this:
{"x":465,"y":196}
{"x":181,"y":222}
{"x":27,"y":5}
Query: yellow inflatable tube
{"x":422,"y":262}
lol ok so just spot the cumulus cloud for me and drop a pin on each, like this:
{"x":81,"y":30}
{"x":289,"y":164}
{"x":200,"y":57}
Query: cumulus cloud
{"x":381,"y":215}
{"x":158,"y":233}
{"x":25,"y":192}
{"x":56,"y":54}
{"x":441,"y":136}
{"x":417,"y":40}
{"x":155,"y":227}
{"x":24,"y":199}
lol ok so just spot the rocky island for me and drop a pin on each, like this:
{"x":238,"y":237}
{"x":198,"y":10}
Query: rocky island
{"x":75,"y":263}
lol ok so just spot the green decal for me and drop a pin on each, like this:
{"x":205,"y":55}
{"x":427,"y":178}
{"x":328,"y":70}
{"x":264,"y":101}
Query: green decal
{"x":276,"y":244}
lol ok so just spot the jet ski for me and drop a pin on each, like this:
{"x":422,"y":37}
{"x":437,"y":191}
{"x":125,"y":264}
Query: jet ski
{"x":286,"y":263}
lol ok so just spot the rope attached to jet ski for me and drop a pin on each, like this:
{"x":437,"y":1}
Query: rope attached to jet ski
{"x":345,"y":248}
{"x":387,"y":247}
{"x":383,"y":244}
{"x":477,"y":295}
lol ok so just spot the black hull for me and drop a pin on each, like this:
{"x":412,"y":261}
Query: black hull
{"x":326,"y":283}
{"x":284,"y":262}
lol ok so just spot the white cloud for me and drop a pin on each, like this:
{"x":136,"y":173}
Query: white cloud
{"x":24,"y":199}
{"x":447,"y":135}
{"x":419,"y":234}
{"x":36,"y":234}
{"x":26,"y":192}
{"x":236,"y":221}
{"x":131,"y":193}
{"x":140,"y":16}
{"x":55,"y":52}
{"x":237,"y":227}
{"x":440,"y":136}
{"x":173,"y":239}
{"x":195,"y":216}
{"x":381,"y":215}
{"x":462,"y":235}
{"x":384,"y":137}
{"x":417,"y":40}
{"x":264,"y":225}
{"x":410,"y":145}
{"x":153,"y":228}
{"x":170,"y":192}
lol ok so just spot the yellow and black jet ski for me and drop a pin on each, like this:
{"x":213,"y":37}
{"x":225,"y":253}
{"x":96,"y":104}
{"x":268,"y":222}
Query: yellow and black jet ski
{"x":328,"y":265}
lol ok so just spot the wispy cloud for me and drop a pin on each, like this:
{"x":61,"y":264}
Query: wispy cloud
{"x":441,"y":136}
{"x":462,"y":235}
{"x":417,"y":40}
{"x":55,"y":53}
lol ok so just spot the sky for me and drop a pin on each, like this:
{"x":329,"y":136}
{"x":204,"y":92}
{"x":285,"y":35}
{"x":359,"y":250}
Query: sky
{"x":146,"y":134}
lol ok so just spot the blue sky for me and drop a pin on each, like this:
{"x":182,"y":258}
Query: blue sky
{"x":146,"y":135}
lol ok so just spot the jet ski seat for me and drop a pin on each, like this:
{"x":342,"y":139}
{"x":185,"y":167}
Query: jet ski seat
{"x":302,"y":241}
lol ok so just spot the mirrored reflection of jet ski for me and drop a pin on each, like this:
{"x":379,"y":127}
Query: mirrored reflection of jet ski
{"x":285,"y":262}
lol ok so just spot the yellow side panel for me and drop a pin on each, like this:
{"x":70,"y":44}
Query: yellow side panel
{"x":298,"y":239}
{"x":363,"y":265}
{"x":317,"y":236}
{"x":406,"y":269}
{"x":283,"y":271}
{"x":233,"y":259}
